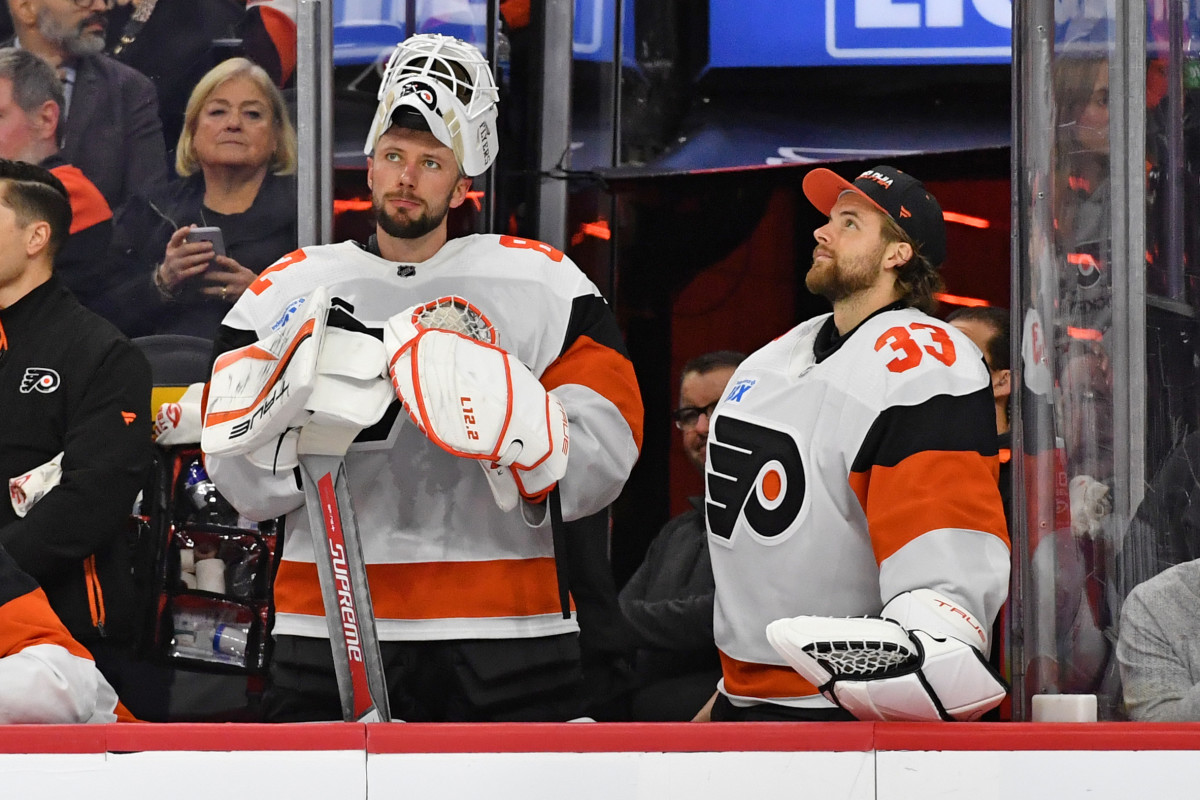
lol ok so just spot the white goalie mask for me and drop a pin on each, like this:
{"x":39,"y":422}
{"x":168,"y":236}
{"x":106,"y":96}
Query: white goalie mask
{"x":450,"y":84}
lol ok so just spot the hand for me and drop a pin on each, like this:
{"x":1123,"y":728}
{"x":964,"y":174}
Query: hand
{"x":705,"y":713}
{"x":182,"y":261}
{"x":226,"y":279}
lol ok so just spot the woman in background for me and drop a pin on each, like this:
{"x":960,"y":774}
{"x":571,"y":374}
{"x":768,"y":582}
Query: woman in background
{"x":236,"y":159}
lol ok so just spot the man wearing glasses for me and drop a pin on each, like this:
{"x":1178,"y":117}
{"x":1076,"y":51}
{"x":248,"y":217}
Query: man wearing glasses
{"x":110,"y":127}
{"x":669,"y":600}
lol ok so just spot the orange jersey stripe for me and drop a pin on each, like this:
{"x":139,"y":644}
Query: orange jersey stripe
{"x":928,"y":491}
{"x":28,"y":620}
{"x":88,"y":206}
{"x":434,"y":590}
{"x":748,"y":679}
{"x":602,"y":369}
{"x":124,"y":714}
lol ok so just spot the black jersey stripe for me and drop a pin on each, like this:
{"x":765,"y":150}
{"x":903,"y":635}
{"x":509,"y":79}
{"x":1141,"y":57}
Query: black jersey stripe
{"x":591,"y":317}
{"x":943,"y":422}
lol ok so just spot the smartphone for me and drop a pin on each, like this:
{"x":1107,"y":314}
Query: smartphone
{"x":208,"y":235}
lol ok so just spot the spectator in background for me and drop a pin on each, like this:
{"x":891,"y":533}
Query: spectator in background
{"x":174,"y":42}
{"x":1158,"y":648}
{"x":236,"y":158}
{"x":75,"y":446}
{"x":111,"y":128}
{"x":45,"y":675}
{"x":669,"y":599}
{"x":30,"y":102}
{"x":988,"y":328}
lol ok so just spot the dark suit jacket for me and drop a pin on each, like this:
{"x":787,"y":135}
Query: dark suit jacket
{"x":112,"y":131}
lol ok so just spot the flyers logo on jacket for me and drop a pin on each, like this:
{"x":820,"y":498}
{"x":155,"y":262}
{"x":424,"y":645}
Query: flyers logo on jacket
{"x":753,"y":472}
{"x":41,"y":379}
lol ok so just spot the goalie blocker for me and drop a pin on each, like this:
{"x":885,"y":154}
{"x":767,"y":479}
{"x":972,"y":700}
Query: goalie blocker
{"x":923,"y":660}
{"x":310,"y":387}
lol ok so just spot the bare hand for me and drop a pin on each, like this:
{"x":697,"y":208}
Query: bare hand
{"x":182,"y":261}
{"x":705,"y":714}
{"x":226,"y":279}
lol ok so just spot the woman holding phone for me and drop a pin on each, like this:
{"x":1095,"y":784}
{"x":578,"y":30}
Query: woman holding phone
{"x":186,"y":253}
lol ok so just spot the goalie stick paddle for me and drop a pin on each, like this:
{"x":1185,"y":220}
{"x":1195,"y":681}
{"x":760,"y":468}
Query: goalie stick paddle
{"x":349,"y":614}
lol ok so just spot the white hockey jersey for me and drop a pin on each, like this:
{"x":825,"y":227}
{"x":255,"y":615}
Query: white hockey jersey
{"x":443,"y":561}
{"x":833,"y":485}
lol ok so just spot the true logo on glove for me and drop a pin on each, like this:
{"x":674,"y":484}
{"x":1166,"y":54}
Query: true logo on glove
{"x":264,"y":408}
{"x":469,"y":418}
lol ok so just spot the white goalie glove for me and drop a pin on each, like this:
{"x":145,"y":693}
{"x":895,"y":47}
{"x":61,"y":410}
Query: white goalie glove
{"x":474,"y":400}
{"x":923,"y":661}
{"x":310,"y":387}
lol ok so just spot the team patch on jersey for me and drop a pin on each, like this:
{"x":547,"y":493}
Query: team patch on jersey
{"x":289,"y":312}
{"x":739,"y":389}
{"x":752,"y":471}
{"x":41,"y":379}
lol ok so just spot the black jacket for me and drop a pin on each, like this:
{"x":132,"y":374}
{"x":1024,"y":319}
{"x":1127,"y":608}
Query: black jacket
{"x":255,"y":238}
{"x":71,"y":383}
{"x":669,"y":600}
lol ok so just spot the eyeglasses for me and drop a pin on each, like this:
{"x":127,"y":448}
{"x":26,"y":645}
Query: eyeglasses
{"x":688,"y":417}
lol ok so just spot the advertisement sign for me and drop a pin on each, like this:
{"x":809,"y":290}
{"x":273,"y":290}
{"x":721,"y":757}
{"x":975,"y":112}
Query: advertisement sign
{"x":761,"y":33}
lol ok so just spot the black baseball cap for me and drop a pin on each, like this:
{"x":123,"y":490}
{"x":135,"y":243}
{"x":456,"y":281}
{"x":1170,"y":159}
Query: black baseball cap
{"x":897,"y":194}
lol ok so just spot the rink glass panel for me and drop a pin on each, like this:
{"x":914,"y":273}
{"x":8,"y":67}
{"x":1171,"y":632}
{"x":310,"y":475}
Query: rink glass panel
{"x":1106,"y":284}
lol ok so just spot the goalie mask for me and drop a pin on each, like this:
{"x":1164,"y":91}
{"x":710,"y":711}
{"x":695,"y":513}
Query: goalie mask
{"x":443,"y":85}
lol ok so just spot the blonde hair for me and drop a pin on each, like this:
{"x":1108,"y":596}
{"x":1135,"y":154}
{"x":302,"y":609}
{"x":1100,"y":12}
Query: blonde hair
{"x":283,"y":160}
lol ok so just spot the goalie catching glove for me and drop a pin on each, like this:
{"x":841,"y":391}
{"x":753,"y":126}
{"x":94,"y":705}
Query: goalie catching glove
{"x":924,"y":661}
{"x":310,"y":387}
{"x":474,"y":400}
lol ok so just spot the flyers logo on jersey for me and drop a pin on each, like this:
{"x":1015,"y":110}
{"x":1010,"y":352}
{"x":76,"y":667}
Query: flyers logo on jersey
{"x":752,"y":472}
{"x":41,"y":379}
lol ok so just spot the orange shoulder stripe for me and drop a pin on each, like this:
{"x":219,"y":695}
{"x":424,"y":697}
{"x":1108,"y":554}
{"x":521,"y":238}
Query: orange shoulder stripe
{"x":88,"y":206}
{"x":602,"y":369}
{"x":928,"y":491}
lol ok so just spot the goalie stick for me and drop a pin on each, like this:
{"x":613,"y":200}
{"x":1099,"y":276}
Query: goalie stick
{"x":349,"y":615}
{"x":342,"y":570}
{"x":313,"y":384}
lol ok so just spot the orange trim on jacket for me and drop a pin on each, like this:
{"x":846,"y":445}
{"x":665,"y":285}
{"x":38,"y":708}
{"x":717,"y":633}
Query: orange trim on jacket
{"x":88,"y":206}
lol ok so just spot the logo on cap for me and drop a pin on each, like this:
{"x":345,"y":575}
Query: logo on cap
{"x":881,"y":179}
{"x":422,"y":90}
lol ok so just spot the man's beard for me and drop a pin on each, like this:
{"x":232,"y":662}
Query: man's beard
{"x":75,"y":41}
{"x":838,"y":279}
{"x":402,"y":227}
